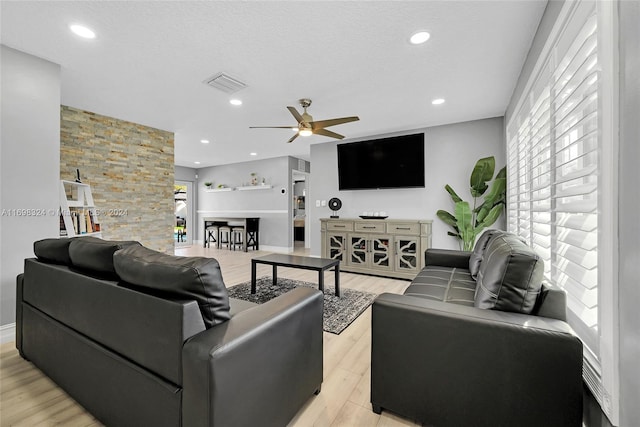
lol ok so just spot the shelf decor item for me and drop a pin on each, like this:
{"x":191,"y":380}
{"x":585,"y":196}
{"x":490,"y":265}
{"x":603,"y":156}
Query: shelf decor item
{"x":208,"y":184}
{"x":78,"y":216}
{"x":467,"y":221}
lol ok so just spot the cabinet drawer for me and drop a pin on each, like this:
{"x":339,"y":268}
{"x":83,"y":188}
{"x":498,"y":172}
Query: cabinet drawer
{"x":370,"y":227}
{"x":340,"y":226}
{"x":410,"y":228}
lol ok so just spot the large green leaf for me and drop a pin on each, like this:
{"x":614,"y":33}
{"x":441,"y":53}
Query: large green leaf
{"x":491,"y":217}
{"x":495,"y":196}
{"x":453,"y":194}
{"x":464,"y":218}
{"x":482,"y":172}
{"x":497,"y":191}
{"x":447,"y":218}
{"x":502,"y":173}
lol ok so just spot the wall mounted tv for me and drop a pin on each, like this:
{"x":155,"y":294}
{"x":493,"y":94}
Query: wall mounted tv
{"x":395,"y":162}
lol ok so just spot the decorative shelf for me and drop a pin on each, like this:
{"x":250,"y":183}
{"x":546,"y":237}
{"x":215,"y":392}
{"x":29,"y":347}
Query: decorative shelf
{"x":254,"y":187}
{"x":218,"y":190}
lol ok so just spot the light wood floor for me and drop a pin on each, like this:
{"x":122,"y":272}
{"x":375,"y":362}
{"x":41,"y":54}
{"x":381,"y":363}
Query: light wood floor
{"x":29,"y":398}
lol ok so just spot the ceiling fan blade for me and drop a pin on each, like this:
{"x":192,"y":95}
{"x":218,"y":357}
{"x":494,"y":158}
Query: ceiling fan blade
{"x":270,"y":127}
{"x":332,"y":122}
{"x":293,"y":137}
{"x":295,"y":114}
{"x":327,"y":133}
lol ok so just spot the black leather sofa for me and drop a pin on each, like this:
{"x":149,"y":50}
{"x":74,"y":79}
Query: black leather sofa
{"x":140,"y":338}
{"x":477,"y":340}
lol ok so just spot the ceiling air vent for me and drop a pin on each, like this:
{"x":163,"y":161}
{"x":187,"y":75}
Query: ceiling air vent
{"x":225,"y":83}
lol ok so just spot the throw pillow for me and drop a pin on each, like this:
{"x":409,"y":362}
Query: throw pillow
{"x":194,"y":278}
{"x":96,"y":255}
{"x":53,"y":250}
{"x":478,"y":250}
{"x":510,"y":276}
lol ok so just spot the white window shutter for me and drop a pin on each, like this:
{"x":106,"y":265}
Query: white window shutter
{"x":554,"y":188}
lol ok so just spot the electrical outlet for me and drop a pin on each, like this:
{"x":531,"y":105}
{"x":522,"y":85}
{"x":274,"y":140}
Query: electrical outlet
{"x":323,"y":203}
{"x":317,"y":203}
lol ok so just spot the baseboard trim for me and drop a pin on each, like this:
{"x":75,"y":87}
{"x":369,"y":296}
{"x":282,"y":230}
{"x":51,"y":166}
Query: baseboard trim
{"x":7,"y":333}
{"x":285,"y":249}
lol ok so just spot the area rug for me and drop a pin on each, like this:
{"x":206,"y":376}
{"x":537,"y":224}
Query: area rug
{"x":339,"y":312}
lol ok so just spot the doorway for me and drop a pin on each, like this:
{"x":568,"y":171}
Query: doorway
{"x":183,"y":228}
{"x":300,"y":220}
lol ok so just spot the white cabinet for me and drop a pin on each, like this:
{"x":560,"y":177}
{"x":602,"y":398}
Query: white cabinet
{"x":393,"y":248}
{"x":78,"y":215}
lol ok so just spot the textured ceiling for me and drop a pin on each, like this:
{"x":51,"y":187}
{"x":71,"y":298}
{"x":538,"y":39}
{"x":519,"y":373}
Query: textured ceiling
{"x":149,"y":60}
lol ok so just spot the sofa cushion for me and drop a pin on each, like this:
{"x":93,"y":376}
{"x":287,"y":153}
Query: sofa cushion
{"x":53,"y":250}
{"x":448,"y":284}
{"x":510,"y":276}
{"x":478,"y":250}
{"x":94,"y":254}
{"x":194,"y":278}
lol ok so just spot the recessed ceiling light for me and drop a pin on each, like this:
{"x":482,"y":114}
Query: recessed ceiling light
{"x":253,"y":154}
{"x":235,"y":101}
{"x":438,"y":101}
{"x":419,"y":37}
{"x":82,"y":31}
{"x":197,"y":163}
{"x":204,"y":141}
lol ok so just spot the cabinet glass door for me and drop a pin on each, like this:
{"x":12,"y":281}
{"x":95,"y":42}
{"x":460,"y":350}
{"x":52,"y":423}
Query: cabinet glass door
{"x":407,"y":254}
{"x":358,"y":250}
{"x":380,"y":252}
{"x":337,"y":245}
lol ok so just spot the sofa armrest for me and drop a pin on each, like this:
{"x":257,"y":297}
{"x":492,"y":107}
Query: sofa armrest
{"x":447,"y":258}
{"x":450,"y":365}
{"x":19,"y":293}
{"x":258,"y":368}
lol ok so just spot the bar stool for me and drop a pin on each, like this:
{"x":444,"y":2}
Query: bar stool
{"x":253,"y":228}
{"x":224,"y":236}
{"x":212,"y":234}
{"x":237,"y":233}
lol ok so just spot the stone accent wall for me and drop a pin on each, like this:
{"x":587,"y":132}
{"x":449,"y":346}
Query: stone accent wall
{"x":130,"y":168}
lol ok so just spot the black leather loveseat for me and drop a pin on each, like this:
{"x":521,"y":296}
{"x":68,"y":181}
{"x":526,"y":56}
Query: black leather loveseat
{"x":477,"y":340}
{"x":140,"y":338}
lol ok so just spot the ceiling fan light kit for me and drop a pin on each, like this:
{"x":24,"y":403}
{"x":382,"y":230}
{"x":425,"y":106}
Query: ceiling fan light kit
{"x":306,"y":125}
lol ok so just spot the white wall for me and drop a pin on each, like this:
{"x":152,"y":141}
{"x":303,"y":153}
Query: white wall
{"x":451,"y":151}
{"x":30,"y":158}
{"x":628,"y":207}
{"x":270,"y":205}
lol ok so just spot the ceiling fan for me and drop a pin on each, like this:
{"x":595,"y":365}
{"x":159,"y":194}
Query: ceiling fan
{"x":306,"y":125}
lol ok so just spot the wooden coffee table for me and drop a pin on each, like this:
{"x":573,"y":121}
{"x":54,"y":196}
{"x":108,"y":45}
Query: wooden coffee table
{"x":294,"y":261}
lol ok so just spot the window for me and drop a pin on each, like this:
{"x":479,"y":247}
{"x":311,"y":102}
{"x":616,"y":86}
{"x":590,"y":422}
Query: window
{"x":559,"y":155}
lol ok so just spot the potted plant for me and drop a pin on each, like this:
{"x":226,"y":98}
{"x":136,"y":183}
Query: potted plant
{"x":254,"y":178}
{"x":467,"y":221}
{"x":208,"y":184}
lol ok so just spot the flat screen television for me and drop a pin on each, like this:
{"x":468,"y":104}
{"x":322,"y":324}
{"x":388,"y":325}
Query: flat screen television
{"x":395,"y":162}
